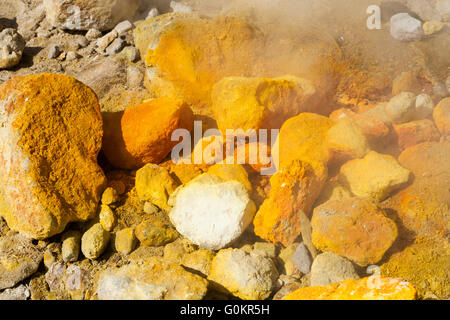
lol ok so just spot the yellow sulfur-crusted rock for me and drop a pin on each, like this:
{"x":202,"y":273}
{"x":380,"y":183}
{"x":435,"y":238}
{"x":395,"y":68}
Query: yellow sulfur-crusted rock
{"x":50,"y":137}
{"x":155,"y":184}
{"x":261,"y":103}
{"x":375,"y":176}
{"x":370,"y":288}
{"x":303,"y":138}
{"x":293,"y":189}
{"x":231,"y":172}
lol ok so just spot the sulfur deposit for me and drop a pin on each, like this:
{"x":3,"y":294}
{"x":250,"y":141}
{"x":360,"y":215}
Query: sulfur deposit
{"x":224,"y":149}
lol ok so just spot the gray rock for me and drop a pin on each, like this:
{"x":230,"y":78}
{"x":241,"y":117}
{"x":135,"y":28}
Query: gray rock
{"x":18,"y":293}
{"x":154,"y":279}
{"x":54,"y":52}
{"x":123,"y":27}
{"x":19,"y":259}
{"x":115,"y":47}
{"x":440,"y":90}
{"x":330,"y":268}
{"x":106,"y":40}
{"x":69,"y":281}
{"x":302,"y":259}
{"x":135,"y":78}
{"x":11,"y":48}
{"x":401,"y":108}
{"x":406,"y":28}
{"x":93,"y":34}
{"x":247,"y":276}
{"x":438,"y":10}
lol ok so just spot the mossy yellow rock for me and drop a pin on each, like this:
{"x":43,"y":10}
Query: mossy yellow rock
{"x":260,"y":103}
{"x":51,"y":134}
{"x":303,"y":138}
{"x":292,"y":189}
{"x":370,"y":288}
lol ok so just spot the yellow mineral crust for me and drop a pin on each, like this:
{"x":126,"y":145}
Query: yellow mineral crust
{"x":370,"y":288}
{"x":51,"y":132}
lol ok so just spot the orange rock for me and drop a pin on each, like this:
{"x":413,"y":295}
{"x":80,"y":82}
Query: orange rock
{"x":370,"y":288}
{"x":50,"y":137}
{"x":424,"y":206}
{"x":303,"y":138}
{"x":144,"y":133}
{"x":406,"y":82}
{"x":374,"y":129}
{"x":353,"y":228}
{"x":441,"y":116}
{"x":415,"y":132}
{"x":292,"y":189}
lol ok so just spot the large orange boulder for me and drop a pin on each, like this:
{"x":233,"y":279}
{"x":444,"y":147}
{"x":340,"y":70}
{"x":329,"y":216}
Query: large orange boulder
{"x":353,"y":228}
{"x":51,"y":133}
{"x":293,"y":188}
{"x":143,"y":133}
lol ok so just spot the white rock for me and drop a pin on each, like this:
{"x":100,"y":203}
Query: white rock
{"x":18,"y":293}
{"x":247,"y":276}
{"x":123,"y":27}
{"x":93,"y":34}
{"x":211,"y":213}
{"x":406,"y":28}
{"x":401,"y":108}
{"x":330,"y":268}
{"x":54,"y":52}
{"x":87,"y":14}
{"x":180,"y":7}
{"x":424,"y":106}
{"x":152,"y":13}
{"x":115,"y":47}
{"x":11,"y":48}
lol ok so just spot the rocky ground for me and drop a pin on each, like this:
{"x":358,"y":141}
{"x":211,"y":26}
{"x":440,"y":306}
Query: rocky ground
{"x":93,"y":207}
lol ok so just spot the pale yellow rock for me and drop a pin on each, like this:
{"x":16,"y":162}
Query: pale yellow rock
{"x":230,"y":172}
{"x":154,"y":184}
{"x":375,"y":176}
{"x":433,"y":26}
{"x":346,"y":139}
{"x":107,"y":218}
{"x":125,"y":241}
{"x":71,"y":246}
{"x":199,"y":260}
{"x":94,"y":241}
{"x":110,"y":196}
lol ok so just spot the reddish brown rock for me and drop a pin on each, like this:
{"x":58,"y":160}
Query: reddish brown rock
{"x":353,"y":228}
{"x":294,"y":188}
{"x":424,"y":206}
{"x":415,"y":132}
{"x":143,"y":133}
{"x":441,"y":116}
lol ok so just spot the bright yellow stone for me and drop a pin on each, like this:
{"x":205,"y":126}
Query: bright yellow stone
{"x":370,"y":288}
{"x":347,"y":140}
{"x":230,"y":172}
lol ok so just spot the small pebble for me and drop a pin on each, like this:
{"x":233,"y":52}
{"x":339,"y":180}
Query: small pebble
{"x":51,"y":254}
{"x":302,"y":259}
{"x":432,"y":27}
{"x":115,"y":47}
{"x":125,"y":241}
{"x":83,"y":42}
{"x":93,"y":34}
{"x":150,"y":208}
{"x":110,"y":196}
{"x":123,"y":27}
{"x":71,"y":246}
{"x":106,"y":40}
{"x":94,"y":241}
{"x":54,"y":52}
{"x":71,"y":55}
{"x":107,"y":218}
{"x":130,"y":53}
{"x":152,"y":13}
{"x":135,"y":77}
